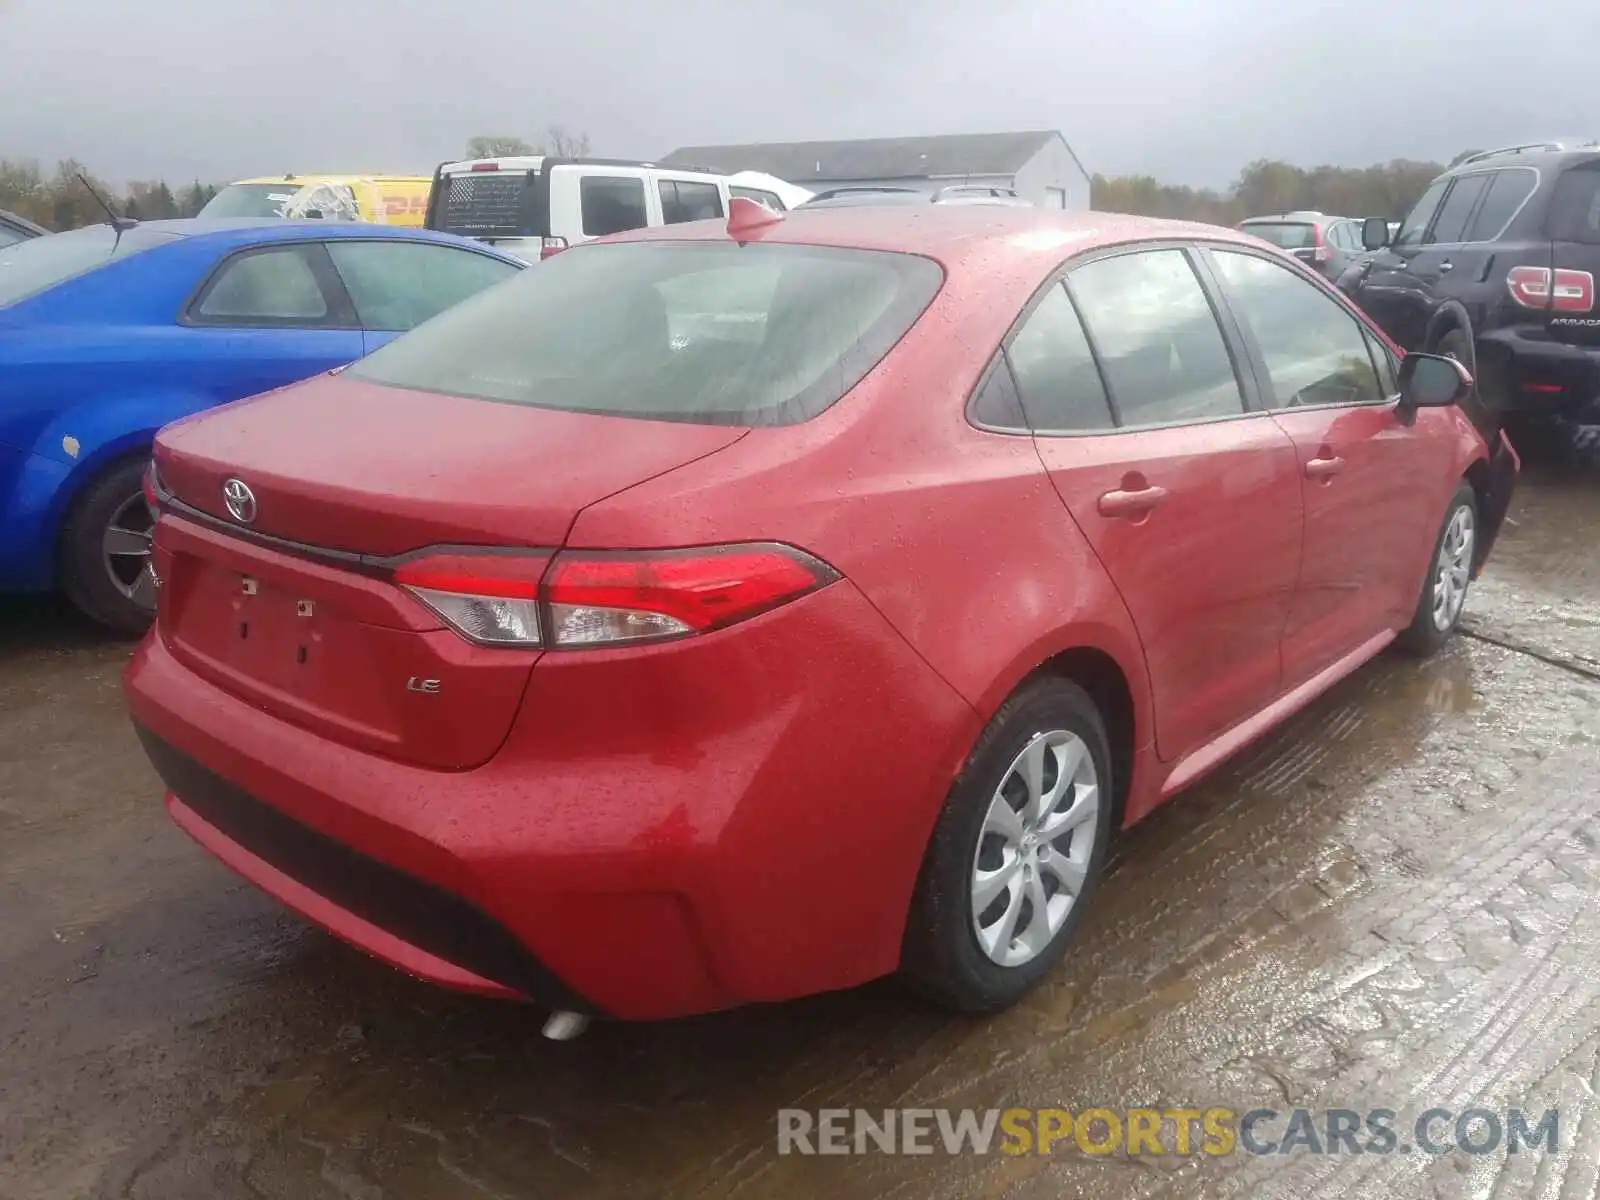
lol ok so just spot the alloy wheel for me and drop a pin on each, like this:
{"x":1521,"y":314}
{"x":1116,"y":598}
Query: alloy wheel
{"x":126,"y":550}
{"x":1033,"y":852}
{"x":1454,"y":569}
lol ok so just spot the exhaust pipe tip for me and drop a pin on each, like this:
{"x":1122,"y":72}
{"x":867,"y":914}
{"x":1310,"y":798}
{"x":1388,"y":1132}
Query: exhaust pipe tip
{"x":564,"y":1026}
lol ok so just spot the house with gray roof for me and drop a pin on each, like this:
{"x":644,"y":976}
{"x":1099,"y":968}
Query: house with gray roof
{"x":1039,"y":165}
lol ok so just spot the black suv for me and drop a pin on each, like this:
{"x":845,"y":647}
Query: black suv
{"x":1505,"y":244}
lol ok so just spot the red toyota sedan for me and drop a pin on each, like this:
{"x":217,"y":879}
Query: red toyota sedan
{"x":733,"y":611}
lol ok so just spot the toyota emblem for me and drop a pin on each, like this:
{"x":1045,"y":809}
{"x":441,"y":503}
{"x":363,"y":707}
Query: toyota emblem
{"x":241,"y":501}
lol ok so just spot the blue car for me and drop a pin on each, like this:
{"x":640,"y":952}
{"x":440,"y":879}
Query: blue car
{"x":110,"y":332}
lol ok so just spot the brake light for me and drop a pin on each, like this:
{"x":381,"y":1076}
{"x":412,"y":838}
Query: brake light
{"x":1321,"y":252}
{"x":484,"y":166}
{"x":1561,"y":291}
{"x":491,"y":599}
{"x":551,"y":245}
{"x":600,"y":598}
{"x":1573,"y":292}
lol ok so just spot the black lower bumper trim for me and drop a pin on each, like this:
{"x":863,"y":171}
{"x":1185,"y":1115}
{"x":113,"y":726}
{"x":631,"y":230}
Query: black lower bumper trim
{"x":434,"y":920}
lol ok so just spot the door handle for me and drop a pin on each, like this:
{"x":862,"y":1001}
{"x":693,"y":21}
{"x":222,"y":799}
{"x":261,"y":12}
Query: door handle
{"x":1324,"y":468}
{"x":1119,"y":503}
{"x":1446,"y":266}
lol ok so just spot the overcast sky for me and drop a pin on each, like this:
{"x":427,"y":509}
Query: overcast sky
{"x":1188,"y":90}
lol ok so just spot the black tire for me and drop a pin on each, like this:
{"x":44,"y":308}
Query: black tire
{"x":84,"y":573}
{"x":1425,"y":635}
{"x":941,"y":957}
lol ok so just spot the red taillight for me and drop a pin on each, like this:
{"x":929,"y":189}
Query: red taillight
{"x":607,"y":597}
{"x":1321,"y":252}
{"x":484,"y":166}
{"x":599,"y":598}
{"x":1561,"y":291}
{"x":551,"y":245}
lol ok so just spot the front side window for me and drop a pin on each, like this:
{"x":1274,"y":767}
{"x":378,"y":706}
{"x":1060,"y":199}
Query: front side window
{"x":1163,"y":354}
{"x":705,"y":332}
{"x":1416,"y":222}
{"x":399,"y":285}
{"x":1451,"y":225}
{"x":1315,"y":352}
{"x":682,"y":201}
{"x":611,"y":204}
{"x":271,"y":287}
{"x":1056,"y":377}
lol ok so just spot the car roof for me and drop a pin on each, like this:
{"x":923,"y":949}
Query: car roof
{"x":1007,"y":235}
{"x":253,"y":230}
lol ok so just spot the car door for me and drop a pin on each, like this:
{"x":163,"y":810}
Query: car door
{"x":1329,"y":383}
{"x":1389,"y":290}
{"x":1191,"y":501}
{"x":397,"y":285}
{"x":269,"y":316}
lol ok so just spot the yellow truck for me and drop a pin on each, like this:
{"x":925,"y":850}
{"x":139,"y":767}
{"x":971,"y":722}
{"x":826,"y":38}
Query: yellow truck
{"x":381,"y":199}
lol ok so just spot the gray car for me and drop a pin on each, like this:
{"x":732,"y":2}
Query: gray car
{"x":1328,"y":245}
{"x":14,"y":229}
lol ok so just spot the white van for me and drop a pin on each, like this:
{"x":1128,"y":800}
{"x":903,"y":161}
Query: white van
{"x":536,"y":205}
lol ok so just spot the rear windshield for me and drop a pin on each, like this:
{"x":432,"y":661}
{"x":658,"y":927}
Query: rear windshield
{"x":41,"y":263}
{"x":1575,"y":206}
{"x":710,"y":333}
{"x":250,"y":200}
{"x":1282,"y":233}
{"x":491,"y":204}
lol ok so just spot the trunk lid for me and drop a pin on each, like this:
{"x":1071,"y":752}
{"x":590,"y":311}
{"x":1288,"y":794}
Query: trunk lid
{"x":293,"y":611}
{"x":371,"y":470}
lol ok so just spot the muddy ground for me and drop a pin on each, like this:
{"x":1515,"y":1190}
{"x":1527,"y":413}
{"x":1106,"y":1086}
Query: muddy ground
{"x":1394,"y":902}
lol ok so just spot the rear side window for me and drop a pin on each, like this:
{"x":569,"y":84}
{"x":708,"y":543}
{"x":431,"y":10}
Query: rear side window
{"x":1164,"y":357}
{"x":399,"y":285}
{"x":38,"y":264}
{"x":704,"y":332}
{"x":1417,"y":220}
{"x":1451,"y":225}
{"x":491,"y":204}
{"x":1508,"y":190}
{"x":684,"y":201}
{"x":1056,"y":376}
{"x":1574,"y":206}
{"x":611,"y":204}
{"x":264,"y":287}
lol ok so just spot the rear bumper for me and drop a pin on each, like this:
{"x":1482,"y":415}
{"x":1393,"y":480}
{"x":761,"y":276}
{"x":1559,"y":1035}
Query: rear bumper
{"x":670,"y":830}
{"x":1533,"y":376}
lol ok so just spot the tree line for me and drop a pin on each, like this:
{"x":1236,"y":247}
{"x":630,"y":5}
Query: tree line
{"x":1267,"y":186}
{"x":63,"y":200}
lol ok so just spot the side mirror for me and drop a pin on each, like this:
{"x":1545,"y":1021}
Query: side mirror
{"x":1375,"y":233}
{"x":1431,"y":381}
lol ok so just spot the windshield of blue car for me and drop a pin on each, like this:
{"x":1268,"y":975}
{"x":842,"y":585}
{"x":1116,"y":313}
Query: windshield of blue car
{"x":41,"y":263}
{"x":1283,"y":234}
{"x":250,"y":200}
